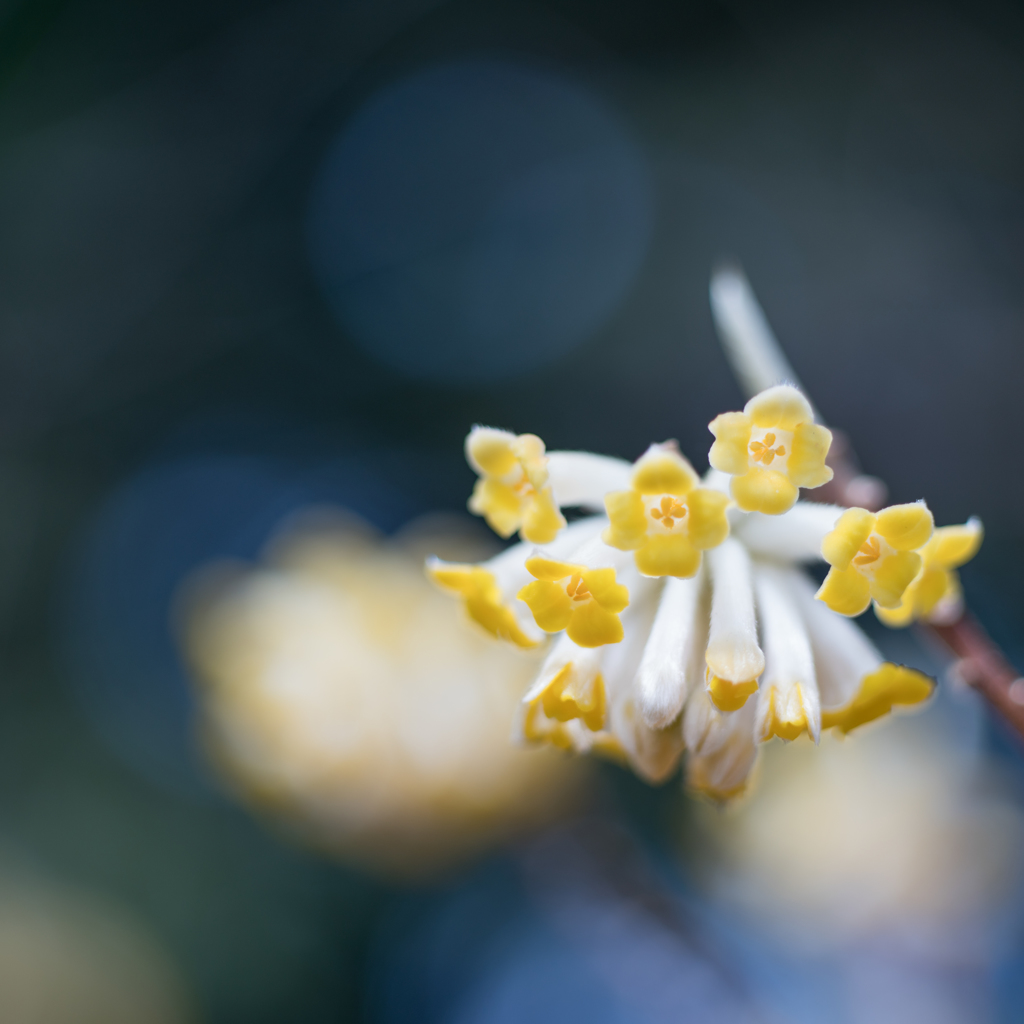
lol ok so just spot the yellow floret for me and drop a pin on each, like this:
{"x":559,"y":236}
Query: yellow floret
{"x":771,"y":450}
{"x":937,"y":585}
{"x":665,"y":518}
{"x":482,"y":599}
{"x":512,"y":492}
{"x":880,"y":691}
{"x":584,"y":602}
{"x":872,"y":556}
{"x":787,"y":718}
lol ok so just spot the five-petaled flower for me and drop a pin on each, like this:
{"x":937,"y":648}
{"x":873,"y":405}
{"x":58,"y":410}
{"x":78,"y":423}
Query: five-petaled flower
{"x":874,"y":556}
{"x":934,"y":593}
{"x":513,"y":492}
{"x":771,"y":449}
{"x":585,"y":602}
{"x":665,"y":519}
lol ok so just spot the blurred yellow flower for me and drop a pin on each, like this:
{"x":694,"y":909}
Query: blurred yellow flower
{"x":908,"y":837}
{"x":339,"y":695}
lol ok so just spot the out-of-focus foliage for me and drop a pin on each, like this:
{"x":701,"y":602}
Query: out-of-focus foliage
{"x":71,"y":956}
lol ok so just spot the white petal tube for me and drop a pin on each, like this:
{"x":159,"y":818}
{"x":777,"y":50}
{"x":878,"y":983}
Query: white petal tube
{"x":756,"y":357}
{"x":720,"y":764}
{"x":583,"y":479}
{"x":667,"y":671}
{"x":788,"y":698}
{"x":795,"y":536}
{"x":652,"y":753}
{"x":843,"y":655}
{"x":732,"y":652}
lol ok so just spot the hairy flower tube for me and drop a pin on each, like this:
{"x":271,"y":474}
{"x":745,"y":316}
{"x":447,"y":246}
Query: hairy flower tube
{"x":771,"y":449}
{"x":702,"y":633}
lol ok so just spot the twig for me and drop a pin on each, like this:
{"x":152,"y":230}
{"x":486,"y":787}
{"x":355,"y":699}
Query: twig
{"x":759,"y":362}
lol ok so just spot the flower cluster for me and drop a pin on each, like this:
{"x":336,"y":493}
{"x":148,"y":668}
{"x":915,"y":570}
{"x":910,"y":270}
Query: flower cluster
{"x":683,"y":618}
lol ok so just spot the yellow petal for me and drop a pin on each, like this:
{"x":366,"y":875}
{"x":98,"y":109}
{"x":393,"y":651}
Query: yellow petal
{"x":892,"y":577}
{"x":905,"y":527}
{"x":852,"y":528}
{"x":611,"y":596}
{"x":498,"y":504}
{"x":845,"y":591}
{"x":491,"y":451}
{"x":707,"y":523}
{"x":550,"y":604}
{"x":668,"y":555}
{"x":567,"y":697}
{"x":732,"y":435}
{"x":627,"y":518}
{"x":541,"y":518}
{"x":728,"y":696}
{"x":879,"y":692}
{"x":951,"y":546}
{"x":806,"y":466}
{"x":529,"y":451}
{"x":785,"y":721}
{"x":483,"y":599}
{"x":549,"y":569}
{"x":537,"y":728}
{"x":593,"y":626}
{"x":781,"y":406}
{"x":930,"y":588}
{"x":661,"y":470}
{"x":764,"y":490}
{"x":897,"y":618}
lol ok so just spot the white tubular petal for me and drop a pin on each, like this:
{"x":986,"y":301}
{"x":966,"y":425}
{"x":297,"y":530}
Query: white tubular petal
{"x":843,"y":655}
{"x":720,"y":763}
{"x":788,"y":700}
{"x":583,"y":479}
{"x":585,"y":662}
{"x":652,"y":753}
{"x":795,"y":536}
{"x":732,"y":651}
{"x":703,"y":724}
{"x":716,"y":480}
{"x":750,"y":346}
{"x":667,"y":670}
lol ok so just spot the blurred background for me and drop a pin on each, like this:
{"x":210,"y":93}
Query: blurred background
{"x":262,"y":264}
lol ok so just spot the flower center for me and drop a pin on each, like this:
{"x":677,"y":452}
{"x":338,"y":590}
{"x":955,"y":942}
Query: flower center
{"x":869,"y":552}
{"x":576,"y":588}
{"x":765,"y":450}
{"x":668,"y":511}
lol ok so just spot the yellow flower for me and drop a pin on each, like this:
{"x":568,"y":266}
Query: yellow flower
{"x":771,"y":449}
{"x":935,"y":592}
{"x":339,"y":694}
{"x":873,"y":556}
{"x":584,"y":602}
{"x":665,"y":519}
{"x":513,"y":492}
